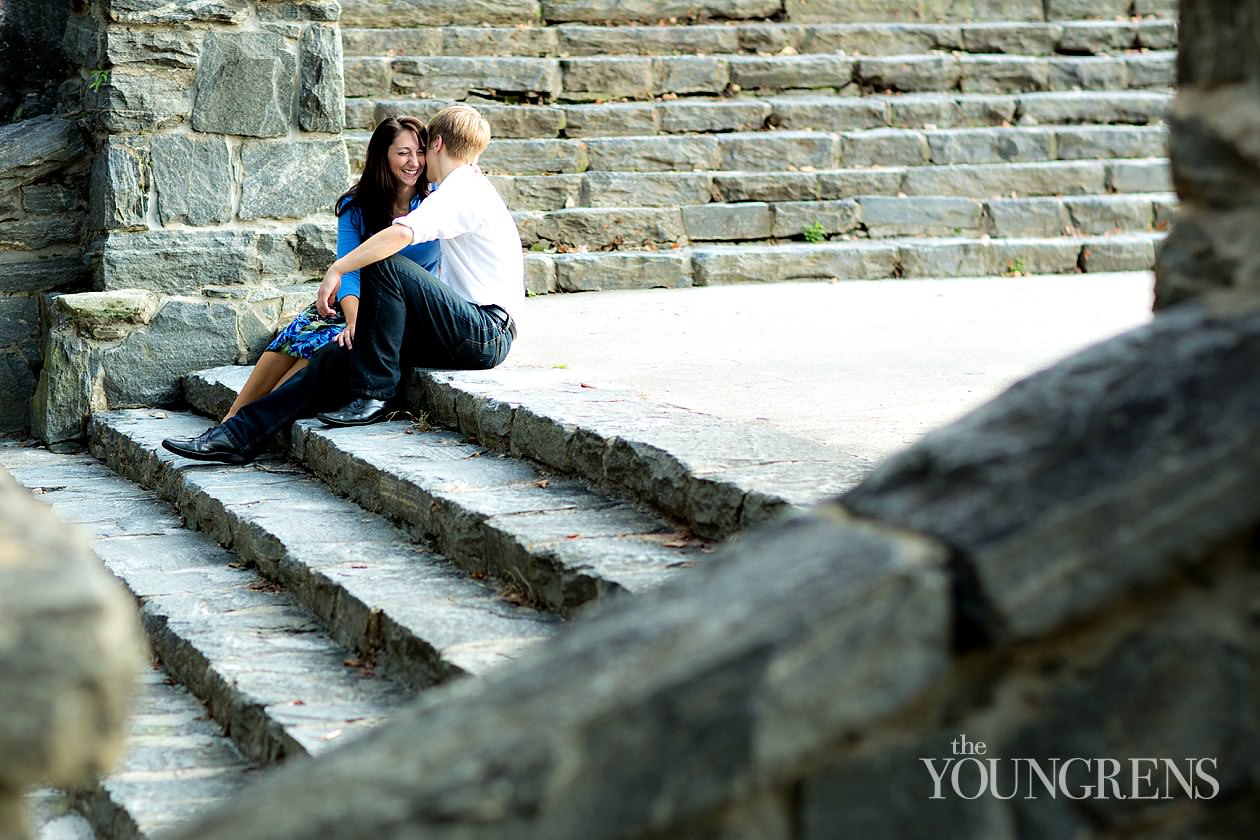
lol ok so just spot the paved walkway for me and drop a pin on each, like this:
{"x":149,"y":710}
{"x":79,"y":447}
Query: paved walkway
{"x":864,"y":367}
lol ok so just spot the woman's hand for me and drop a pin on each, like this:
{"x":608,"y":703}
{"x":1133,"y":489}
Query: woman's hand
{"x":349,"y":308}
{"x":327,"y":294}
{"x":345,"y":338}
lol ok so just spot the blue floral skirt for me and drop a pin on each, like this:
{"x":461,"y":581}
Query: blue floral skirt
{"x":308,"y":332}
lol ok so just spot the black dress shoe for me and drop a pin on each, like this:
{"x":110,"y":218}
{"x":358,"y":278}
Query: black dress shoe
{"x":211,"y":445}
{"x":359,"y":412}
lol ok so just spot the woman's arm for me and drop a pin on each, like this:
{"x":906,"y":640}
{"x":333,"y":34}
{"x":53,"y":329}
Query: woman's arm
{"x":381,"y":245}
{"x":349,"y":308}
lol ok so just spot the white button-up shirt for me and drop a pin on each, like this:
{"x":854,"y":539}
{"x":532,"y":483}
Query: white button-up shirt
{"x":481,"y":248}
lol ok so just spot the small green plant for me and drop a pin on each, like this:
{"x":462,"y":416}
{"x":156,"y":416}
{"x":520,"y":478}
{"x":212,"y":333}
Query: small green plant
{"x":538,"y":246}
{"x":560,"y":365}
{"x":1016,"y":267}
{"x":99,"y":77}
{"x":815,"y":232}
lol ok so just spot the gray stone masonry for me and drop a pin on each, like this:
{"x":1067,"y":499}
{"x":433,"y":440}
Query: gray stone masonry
{"x":261,"y":652}
{"x":489,"y":515}
{"x":758,"y":37}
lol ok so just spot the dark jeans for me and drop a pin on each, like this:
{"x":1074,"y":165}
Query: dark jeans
{"x":406,"y":319}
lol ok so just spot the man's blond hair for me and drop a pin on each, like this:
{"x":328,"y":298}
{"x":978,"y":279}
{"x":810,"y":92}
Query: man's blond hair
{"x":464,"y":132}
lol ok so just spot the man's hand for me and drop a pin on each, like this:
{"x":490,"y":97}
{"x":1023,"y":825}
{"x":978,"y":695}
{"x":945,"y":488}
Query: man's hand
{"x":327,"y":294}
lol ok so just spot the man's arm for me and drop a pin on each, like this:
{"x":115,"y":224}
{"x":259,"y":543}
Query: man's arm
{"x":381,"y":245}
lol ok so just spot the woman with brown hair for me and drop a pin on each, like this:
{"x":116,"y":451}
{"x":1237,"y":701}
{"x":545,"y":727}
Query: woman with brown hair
{"x":392,"y":185}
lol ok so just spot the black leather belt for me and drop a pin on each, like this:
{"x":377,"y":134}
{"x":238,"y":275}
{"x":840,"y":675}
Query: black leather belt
{"x":504,"y":316}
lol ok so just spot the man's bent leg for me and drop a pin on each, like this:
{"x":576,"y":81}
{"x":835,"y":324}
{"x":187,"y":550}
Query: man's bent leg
{"x":322,"y":384}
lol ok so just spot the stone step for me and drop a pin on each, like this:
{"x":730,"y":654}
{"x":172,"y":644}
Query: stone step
{"x":855,"y":259}
{"x":772,"y":151}
{"x":717,"y":476}
{"x":639,"y":78}
{"x":553,"y":541}
{"x":873,"y":217}
{"x":709,"y":115}
{"x":407,"y":13}
{"x":1086,"y":37}
{"x":411,"y":611}
{"x":176,"y":764}
{"x":980,"y":181}
{"x":262,"y":664}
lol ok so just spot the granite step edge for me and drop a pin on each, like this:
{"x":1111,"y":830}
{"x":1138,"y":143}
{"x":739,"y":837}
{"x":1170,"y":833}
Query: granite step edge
{"x":394,"y":603}
{"x":269,"y":675}
{"x":555,"y":543}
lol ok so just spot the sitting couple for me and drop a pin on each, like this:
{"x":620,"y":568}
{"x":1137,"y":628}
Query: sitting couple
{"x":399,"y":314}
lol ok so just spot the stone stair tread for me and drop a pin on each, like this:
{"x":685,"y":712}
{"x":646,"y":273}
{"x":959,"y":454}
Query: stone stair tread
{"x":557,"y":537}
{"x":214,"y":627}
{"x":176,"y":762}
{"x":761,"y":36}
{"x":353,"y":569}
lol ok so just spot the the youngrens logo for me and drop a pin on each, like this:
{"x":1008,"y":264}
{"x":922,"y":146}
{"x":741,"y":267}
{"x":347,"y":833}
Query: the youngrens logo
{"x":969,"y":773}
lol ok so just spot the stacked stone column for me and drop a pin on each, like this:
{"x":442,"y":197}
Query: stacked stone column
{"x":216,"y":127}
{"x":1215,"y":151}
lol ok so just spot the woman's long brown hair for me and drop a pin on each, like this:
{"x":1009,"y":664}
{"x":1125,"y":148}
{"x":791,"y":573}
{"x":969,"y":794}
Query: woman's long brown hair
{"x":374,"y":192}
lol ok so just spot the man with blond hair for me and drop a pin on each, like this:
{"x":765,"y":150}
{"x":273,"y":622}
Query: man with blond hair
{"x":465,"y":318}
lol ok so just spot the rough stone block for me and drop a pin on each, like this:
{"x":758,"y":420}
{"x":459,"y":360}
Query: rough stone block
{"x":598,"y":272}
{"x":1003,"y":74}
{"x":825,"y":113}
{"x":1089,"y":73}
{"x":34,"y":233}
{"x":697,"y":39}
{"x":245,"y":85}
{"x":105,"y":316}
{"x":986,"y":181}
{"x":828,"y":11}
{"x":944,"y":258}
{"x":17,"y":383}
{"x":135,"y":101}
{"x":177,"y":49}
{"x":1087,"y":9}
{"x":458,"y":77}
{"x":1111,"y":214}
{"x":690,"y":74}
{"x":537,"y":41}
{"x":42,"y":272}
{"x":1156,"y":8}
{"x":715,"y":266}
{"x":19,"y":326}
{"x":848,"y":183}
{"x":1158,"y":35}
{"x":389,"y":42}
{"x":778,"y":150}
{"x":1094,"y":38}
{"x":610,"y":119}
{"x":683,"y":117}
{"x":291,"y":179}
{"x":925,"y":216}
{"x":1151,"y":72}
{"x":1130,"y":107}
{"x":991,"y":146}
{"x":612,"y":227}
{"x":620,"y":77}
{"x":81,"y":42}
{"x":765,"y":186}
{"x":166,"y":12}
{"x":1119,"y":253}
{"x":714,"y":222}
{"x":119,"y":196}
{"x":34,"y":148}
{"x":362,"y":114}
{"x":540,"y":275}
{"x":626,"y":189}
{"x":49,"y":198}
{"x":195,"y":179}
{"x":1139,"y":176}
{"x":176,"y":261}
{"x":543,"y":192}
{"x":883,"y":147}
{"x":404,"y":13}
{"x":793,"y":218}
{"x":322,"y":87}
{"x":1036,"y":256}
{"x":654,"y":154}
{"x":909,"y":73}
{"x":1028,"y":217}
{"x":521,"y":157}
{"x":367,"y":76}
{"x":797,"y":72}
{"x":1094,"y":142}
{"x":652,"y":11}
{"x":1029,"y":39}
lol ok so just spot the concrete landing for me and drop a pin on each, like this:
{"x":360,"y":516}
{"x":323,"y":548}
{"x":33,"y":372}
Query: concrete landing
{"x":864,"y":368}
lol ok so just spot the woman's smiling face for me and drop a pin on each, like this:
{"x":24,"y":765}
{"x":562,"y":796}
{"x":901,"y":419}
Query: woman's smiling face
{"x":406,"y":158}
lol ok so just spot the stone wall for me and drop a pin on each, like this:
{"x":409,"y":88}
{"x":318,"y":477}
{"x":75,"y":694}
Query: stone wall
{"x":32,"y":65}
{"x":1215,"y":153}
{"x":215,"y":128}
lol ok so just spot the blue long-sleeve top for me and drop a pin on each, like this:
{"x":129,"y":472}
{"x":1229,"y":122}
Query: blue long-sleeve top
{"x":350,"y":234}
